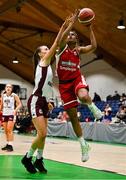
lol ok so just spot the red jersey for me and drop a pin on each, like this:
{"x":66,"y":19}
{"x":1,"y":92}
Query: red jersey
{"x":68,"y":64}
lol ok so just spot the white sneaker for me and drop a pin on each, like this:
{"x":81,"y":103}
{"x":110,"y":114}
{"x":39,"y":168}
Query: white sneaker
{"x":85,"y":152}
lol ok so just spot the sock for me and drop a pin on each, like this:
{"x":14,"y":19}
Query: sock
{"x":7,"y":142}
{"x":10,"y":143}
{"x":92,"y":107}
{"x":95,"y":110}
{"x":39,"y":153}
{"x":30,"y":153}
{"x":82,"y":141}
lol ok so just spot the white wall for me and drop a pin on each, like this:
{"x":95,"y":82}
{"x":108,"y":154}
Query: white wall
{"x":102,"y":78}
{"x":7,"y":76}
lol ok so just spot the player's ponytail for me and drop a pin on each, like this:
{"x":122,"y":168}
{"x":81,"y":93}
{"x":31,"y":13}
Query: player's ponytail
{"x":36,"y":58}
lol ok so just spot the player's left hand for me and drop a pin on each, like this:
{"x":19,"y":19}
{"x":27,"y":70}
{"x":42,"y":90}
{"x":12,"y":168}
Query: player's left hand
{"x":50,"y":106}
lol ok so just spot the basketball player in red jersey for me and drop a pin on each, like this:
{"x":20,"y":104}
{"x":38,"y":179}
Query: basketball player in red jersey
{"x":37,"y":104}
{"x":72,"y":84}
{"x":10,"y":104}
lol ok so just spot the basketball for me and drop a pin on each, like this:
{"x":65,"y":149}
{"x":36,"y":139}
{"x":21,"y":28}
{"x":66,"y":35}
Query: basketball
{"x":86,"y":16}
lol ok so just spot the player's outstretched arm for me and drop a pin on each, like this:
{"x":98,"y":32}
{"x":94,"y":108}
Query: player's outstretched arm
{"x":93,"y":44}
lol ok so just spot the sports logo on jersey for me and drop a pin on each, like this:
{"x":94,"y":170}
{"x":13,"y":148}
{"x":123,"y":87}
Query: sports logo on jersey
{"x":40,"y":111}
{"x":68,"y":63}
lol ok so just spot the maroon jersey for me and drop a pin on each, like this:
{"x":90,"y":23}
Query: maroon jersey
{"x":37,"y":104}
{"x":68,"y":64}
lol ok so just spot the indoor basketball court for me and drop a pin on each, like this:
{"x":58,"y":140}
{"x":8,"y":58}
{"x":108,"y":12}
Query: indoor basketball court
{"x":25,"y":27}
{"x":62,"y":160}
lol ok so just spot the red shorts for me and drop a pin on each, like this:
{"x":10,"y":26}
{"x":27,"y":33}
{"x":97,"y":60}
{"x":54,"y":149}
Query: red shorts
{"x":37,"y":106}
{"x":68,"y":91}
{"x":7,"y":118}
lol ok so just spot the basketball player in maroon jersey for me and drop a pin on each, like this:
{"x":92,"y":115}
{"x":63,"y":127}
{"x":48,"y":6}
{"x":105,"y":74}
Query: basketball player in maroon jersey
{"x":72,"y":84}
{"x":10,"y":104}
{"x":37,"y":104}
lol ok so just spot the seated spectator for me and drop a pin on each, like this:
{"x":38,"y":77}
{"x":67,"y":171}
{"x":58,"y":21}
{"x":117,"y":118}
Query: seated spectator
{"x":121,"y":114}
{"x":122,"y":100}
{"x":96,"y":97}
{"x":123,"y":95}
{"x":116,"y":96}
{"x":63,"y":116}
{"x":107,"y":117}
{"x":24,"y":124}
{"x":109,"y":98}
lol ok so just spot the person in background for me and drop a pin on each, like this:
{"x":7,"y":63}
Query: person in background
{"x":72,"y":84}
{"x":121,"y":114}
{"x":96,"y":97}
{"x":109,"y":97}
{"x":10,"y":104}
{"x":63,"y":116}
{"x":37,"y":103}
{"x":107,"y":117}
{"x":116,"y":96}
{"x":122,"y":100}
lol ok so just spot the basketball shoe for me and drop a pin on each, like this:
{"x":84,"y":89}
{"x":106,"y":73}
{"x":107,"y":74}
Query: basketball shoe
{"x":39,"y":164}
{"x":9,"y":148}
{"x":27,"y":162}
{"x":5,"y":147}
{"x":85,"y":152}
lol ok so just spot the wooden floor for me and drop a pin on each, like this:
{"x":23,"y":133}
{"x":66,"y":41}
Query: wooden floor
{"x":103,"y":156}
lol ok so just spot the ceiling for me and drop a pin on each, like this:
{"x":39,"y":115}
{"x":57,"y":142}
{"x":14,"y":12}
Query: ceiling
{"x":26,"y":24}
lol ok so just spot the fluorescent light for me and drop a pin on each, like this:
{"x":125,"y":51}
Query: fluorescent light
{"x":15,"y":61}
{"x":121,"y":27}
{"x":121,"y":24}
